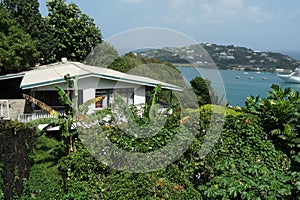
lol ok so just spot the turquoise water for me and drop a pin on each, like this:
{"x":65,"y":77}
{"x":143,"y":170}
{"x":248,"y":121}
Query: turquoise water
{"x":236,"y":90}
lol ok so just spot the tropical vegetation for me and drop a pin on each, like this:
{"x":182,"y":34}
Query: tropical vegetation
{"x":256,"y":156}
{"x":225,"y":153}
{"x":29,"y":39}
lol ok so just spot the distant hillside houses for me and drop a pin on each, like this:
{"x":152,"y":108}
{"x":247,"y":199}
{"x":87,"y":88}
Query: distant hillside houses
{"x":225,"y":57}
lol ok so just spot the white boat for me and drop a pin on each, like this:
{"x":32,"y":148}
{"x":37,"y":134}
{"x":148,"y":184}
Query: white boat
{"x":294,"y":77}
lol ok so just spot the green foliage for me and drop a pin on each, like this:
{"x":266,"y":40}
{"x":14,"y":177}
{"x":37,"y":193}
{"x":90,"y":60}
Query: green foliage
{"x":102,"y":55}
{"x":162,"y":55}
{"x":17,"y":49}
{"x":243,"y":165}
{"x":155,"y":185}
{"x":204,"y":91}
{"x":130,"y":61}
{"x":63,"y":120}
{"x":74,"y":32}
{"x":45,"y":181}
{"x":125,"y":63}
{"x":1,"y":183}
{"x":219,"y":54}
{"x":208,"y":108}
{"x":27,"y":14}
{"x":16,"y":145}
{"x":65,"y":32}
{"x":279,"y":114}
{"x":151,"y":110}
{"x":82,"y":175}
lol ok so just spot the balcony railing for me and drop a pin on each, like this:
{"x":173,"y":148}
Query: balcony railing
{"x":24,"y":118}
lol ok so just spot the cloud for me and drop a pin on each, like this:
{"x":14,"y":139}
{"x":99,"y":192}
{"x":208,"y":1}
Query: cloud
{"x":178,"y":12}
{"x":256,"y":14}
{"x":221,"y":9}
{"x":179,"y":17}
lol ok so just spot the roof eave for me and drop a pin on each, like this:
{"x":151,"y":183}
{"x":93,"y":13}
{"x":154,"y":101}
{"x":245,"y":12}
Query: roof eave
{"x":61,"y":80}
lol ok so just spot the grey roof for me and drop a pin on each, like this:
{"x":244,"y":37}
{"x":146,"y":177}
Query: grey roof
{"x":54,"y":74}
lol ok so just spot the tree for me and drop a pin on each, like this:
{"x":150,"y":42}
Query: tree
{"x":102,"y":55}
{"x":27,"y":14}
{"x":75,"y":33}
{"x":17,"y":49}
{"x":203,"y":90}
{"x":279,"y":115}
{"x":70,"y":116}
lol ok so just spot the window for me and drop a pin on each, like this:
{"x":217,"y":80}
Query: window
{"x":109,"y":94}
{"x":51,"y":98}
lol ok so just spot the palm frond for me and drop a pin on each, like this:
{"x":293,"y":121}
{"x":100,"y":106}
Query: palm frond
{"x":41,"y":104}
{"x":63,"y":96}
{"x":83,"y":108}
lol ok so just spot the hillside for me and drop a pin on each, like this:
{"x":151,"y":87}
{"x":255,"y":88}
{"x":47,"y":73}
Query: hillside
{"x":225,"y":57}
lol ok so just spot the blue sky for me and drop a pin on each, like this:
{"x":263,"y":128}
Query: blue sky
{"x":268,"y":25}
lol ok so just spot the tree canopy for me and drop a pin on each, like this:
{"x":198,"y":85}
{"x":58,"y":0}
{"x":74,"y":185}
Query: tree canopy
{"x":28,"y":38}
{"x":27,"y":14}
{"x":17,"y":49}
{"x":74,"y":32}
{"x":203,"y":90}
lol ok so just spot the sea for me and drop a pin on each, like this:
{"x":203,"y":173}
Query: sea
{"x":235,"y":86}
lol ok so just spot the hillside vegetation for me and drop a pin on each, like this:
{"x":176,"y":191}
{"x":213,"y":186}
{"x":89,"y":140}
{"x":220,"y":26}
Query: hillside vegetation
{"x":225,"y":57}
{"x":255,"y":156}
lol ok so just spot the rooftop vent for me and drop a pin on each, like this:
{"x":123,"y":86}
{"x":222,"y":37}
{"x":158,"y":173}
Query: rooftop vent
{"x":64,"y":60}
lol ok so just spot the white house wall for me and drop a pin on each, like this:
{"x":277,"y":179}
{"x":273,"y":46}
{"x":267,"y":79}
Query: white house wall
{"x":89,"y":85}
{"x":139,"y":95}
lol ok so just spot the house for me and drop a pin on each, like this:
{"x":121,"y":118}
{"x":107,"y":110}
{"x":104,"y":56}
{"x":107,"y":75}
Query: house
{"x":92,"y":82}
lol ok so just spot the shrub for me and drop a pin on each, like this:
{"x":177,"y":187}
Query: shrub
{"x":14,"y":156}
{"x":1,"y":184}
{"x":244,"y":165}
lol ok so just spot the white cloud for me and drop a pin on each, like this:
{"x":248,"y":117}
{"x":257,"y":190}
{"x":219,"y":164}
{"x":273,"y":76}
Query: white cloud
{"x":256,"y":14}
{"x":179,"y":17}
{"x":218,"y":10}
{"x":179,"y":12}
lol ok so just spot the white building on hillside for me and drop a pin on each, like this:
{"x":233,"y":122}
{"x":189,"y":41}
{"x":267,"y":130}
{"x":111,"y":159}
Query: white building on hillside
{"x":92,"y":82}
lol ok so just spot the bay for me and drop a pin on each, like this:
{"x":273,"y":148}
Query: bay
{"x":236,"y":86}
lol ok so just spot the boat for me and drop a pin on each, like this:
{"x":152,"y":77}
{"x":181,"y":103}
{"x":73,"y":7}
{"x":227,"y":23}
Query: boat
{"x":251,"y":77}
{"x":264,"y":78}
{"x":293,"y":77}
{"x":237,"y":77}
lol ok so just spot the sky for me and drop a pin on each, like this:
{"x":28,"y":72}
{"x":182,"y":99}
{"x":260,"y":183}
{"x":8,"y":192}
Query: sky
{"x":265,"y":25}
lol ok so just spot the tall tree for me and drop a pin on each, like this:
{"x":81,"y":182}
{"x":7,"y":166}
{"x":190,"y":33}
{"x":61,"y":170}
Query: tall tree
{"x":204,"y":91}
{"x":27,"y":14}
{"x":75,"y":33}
{"x":17,"y":49}
{"x":102,"y":55}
